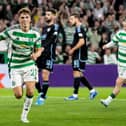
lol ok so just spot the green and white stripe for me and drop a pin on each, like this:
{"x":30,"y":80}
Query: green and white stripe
{"x":92,"y":56}
{"x":120,"y":40}
{"x":21,"y":45}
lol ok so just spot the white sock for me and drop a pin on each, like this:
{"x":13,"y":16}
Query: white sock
{"x":92,"y":90}
{"x":109,"y":99}
{"x":40,"y":93}
{"x":75,"y":95}
{"x":26,"y":106}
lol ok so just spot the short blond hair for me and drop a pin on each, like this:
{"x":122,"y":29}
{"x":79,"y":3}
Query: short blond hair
{"x":24,"y":10}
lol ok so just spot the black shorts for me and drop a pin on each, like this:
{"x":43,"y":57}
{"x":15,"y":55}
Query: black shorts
{"x":78,"y":65}
{"x":45,"y":63}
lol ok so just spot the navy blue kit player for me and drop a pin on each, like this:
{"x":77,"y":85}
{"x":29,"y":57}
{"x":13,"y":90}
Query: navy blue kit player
{"x":79,"y":57}
{"x":45,"y":61}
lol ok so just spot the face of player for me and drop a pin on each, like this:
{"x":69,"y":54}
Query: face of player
{"x":72,"y":20}
{"x":25,"y":21}
{"x":124,"y":25}
{"x":49,"y":17}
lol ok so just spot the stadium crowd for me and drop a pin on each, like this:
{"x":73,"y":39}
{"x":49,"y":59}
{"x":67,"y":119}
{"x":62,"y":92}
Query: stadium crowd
{"x":100,"y":18}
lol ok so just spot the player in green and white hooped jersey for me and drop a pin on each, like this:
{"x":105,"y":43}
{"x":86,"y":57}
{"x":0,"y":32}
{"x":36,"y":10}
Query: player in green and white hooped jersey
{"x":25,"y":48}
{"x":119,"y":39}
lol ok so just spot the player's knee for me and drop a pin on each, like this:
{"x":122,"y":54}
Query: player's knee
{"x":18,"y":95}
{"x":119,"y":82}
{"x":30,"y":93}
{"x":45,"y":75}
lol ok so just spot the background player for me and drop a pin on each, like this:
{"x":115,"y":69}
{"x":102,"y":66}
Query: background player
{"x":45,"y":61}
{"x":79,"y":57}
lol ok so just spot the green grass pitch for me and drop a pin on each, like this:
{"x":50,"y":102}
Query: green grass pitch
{"x":57,"y":112}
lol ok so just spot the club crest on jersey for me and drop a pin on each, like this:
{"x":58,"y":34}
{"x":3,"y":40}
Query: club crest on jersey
{"x":55,"y":33}
{"x":80,"y":34}
{"x":17,"y":38}
{"x":48,"y":29}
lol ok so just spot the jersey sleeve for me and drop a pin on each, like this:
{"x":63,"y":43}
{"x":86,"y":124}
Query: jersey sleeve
{"x":80,"y":33}
{"x":4,"y":35}
{"x":38,"y":43}
{"x":115,"y":38}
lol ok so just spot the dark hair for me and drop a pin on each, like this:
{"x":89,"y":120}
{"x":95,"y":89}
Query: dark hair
{"x":53,"y":11}
{"x":124,"y":20}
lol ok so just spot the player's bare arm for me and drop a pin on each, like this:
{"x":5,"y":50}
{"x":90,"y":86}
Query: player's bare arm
{"x":77,"y":46}
{"x":36,"y":54}
{"x":109,"y":45}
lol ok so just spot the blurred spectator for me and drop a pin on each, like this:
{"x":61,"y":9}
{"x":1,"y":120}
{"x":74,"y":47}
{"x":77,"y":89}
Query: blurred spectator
{"x":59,"y":55}
{"x":3,"y":43}
{"x":84,"y":21}
{"x":111,"y":10}
{"x":93,"y":56}
{"x":99,"y":10}
{"x":67,"y":57}
{"x":2,"y":25}
{"x":41,"y":23}
{"x":1,"y":11}
{"x":104,"y":40}
{"x":120,"y":11}
{"x":94,"y":37}
{"x":17,"y":4}
{"x":90,"y":16}
{"x":62,"y":20}
{"x":39,"y":2}
{"x":117,"y":3}
{"x":8,"y":13}
{"x":109,"y":57}
{"x":69,"y":30}
{"x":110,"y":22}
{"x":36,"y":15}
{"x":14,"y":20}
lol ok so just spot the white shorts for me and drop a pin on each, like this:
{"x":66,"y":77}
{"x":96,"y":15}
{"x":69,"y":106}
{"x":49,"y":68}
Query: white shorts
{"x":122,"y":72}
{"x":19,"y":76}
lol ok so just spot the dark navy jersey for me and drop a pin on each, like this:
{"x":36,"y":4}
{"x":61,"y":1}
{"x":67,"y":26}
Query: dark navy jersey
{"x":80,"y":53}
{"x":49,"y":40}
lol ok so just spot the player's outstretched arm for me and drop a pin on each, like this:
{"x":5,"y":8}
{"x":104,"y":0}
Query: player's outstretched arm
{"x":3,"y":36}
{"x":109,"y":45}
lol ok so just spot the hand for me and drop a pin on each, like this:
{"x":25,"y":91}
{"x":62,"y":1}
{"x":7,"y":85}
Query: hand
{"x":104,"y":47}
{"x":71,"y":51}
{"x":34,"y":56}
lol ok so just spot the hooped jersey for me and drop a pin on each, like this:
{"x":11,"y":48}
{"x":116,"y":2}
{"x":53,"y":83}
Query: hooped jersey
{"x":21,"y":45}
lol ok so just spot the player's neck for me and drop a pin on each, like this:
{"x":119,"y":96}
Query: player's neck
{"x":50,"y":23}
{"x":25,"y":30}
